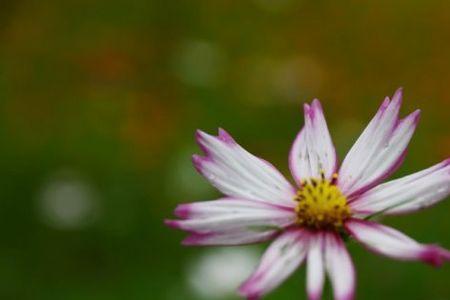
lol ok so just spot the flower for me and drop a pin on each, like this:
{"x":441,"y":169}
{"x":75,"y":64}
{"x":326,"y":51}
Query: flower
{"x":307,"y":222}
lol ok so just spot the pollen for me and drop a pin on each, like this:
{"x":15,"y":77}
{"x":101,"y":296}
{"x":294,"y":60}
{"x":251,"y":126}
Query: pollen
{"x":321,"y":204}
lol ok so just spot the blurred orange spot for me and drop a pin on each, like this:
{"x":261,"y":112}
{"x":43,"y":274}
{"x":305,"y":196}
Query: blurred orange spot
{"x":149,"y":126}
{"x":107,"y":64}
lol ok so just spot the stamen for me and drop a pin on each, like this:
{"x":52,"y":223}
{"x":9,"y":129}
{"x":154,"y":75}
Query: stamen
{"x":322,"y":175}
{"x":334,"y":179}
{"x":321,"y":204}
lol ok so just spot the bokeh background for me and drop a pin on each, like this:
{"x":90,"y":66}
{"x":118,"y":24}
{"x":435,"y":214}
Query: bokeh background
{"x":99,"y":101}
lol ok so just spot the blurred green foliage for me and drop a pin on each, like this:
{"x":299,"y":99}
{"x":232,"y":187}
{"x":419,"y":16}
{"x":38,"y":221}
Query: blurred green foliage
{"x":100,"y":100}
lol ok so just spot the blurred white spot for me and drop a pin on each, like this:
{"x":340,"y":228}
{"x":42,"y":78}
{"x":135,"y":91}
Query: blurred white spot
{"x":297,"y":77}
{"x":272,"y":79}
{"x":199,"y":63}
{"x":219,"y":272}
{"x":185,"y":178}
{"x":67,"y":202}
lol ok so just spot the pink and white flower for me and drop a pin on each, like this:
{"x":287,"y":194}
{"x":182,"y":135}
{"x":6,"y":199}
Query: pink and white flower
{"x":307,"y":221}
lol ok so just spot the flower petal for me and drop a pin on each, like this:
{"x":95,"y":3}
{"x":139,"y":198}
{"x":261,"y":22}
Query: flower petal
{"x":339,"y":267}
{"x":392,"y":243}
{"x":237,"y":173}
{"x":315,"y":267}
{"x":313,"y":150}
{"x":380,"y":149}
{"x":229,"y":238}
{"x":232,"y":215}
{"x":279,"y":261}
{"x":407,"y":194}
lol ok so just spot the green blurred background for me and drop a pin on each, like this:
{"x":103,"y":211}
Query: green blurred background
{"x":99,"y":101}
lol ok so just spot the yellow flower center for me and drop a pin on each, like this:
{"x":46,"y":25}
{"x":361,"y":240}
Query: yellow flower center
{"x":321,"y":204}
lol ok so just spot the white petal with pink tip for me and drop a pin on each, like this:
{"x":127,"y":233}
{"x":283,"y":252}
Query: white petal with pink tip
{"x":407,"y":194}
{"x":379,"y":150}
{"x":339,"y":267}
{"x":279,"y":261}
{"x":313,"y":150}
{"x":237,"y":173}
{"x":390,"y":242}
{"x":315,"y":272}
{"x":232,"y":214}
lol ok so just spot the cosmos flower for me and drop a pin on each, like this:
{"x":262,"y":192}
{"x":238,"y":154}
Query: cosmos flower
{"x":307,"y":222}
